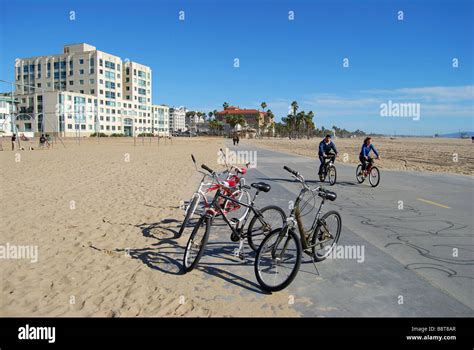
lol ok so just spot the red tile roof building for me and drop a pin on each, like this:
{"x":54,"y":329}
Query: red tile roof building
{"x":250,"y":116}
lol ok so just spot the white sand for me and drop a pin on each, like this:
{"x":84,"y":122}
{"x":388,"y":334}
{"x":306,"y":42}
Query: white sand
{"x":84,"y":207}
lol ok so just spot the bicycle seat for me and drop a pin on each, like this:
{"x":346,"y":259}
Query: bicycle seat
{"x":261,"y":186}
{"x":327,"y":195}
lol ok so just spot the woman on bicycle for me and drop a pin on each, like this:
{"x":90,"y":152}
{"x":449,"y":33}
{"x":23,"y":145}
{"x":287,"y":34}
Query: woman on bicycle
{"x":364,"y":157}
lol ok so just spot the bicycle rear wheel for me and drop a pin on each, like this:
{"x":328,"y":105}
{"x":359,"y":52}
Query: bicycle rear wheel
{"x":273,"y":217}
{"x":326,"y":235}
{"x":189,"y":213}
{"x":374,"y":176}
{"x":332,"y":174}
{"x":196,"y":243}
{"x":359,"y":176}
{"x":278,"y":260}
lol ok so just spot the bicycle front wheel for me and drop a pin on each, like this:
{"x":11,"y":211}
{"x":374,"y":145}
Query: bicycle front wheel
{"x":374,"y":176}
{"x":332,"y":175}
{"x":272,"y":217}
{"x":196,"y":243}
{"x":189,"y":213}
{"x":326,"y":235}
{"x":278,"y":260}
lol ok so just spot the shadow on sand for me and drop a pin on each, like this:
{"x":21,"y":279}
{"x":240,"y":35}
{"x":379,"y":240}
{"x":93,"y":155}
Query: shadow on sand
{"x":166,"y":255}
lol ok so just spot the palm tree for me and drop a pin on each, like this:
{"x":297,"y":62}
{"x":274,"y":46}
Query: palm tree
{"x":270,"y":118}
{"x":308,"y":121}
{"x":210,"y":114}
{"x":225,"y":105}
{"x":294,"y":107}
{"x":290,"y":121}
{"x":263,"y":105}
{"x":300,"y":117}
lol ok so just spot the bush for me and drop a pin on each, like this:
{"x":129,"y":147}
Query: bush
{"x":117,"y":135}
{"x":145,"y":134}
{"x":100,"y":134}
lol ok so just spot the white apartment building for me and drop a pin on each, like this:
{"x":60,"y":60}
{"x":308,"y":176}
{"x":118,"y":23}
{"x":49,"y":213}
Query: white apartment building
{"x":178,"y":119}
{"x":160,"y":120}
{"x":7,"y":106}
{"x":116,"y":95}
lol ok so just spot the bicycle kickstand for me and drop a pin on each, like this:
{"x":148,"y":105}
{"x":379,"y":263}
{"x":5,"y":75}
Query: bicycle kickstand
{"x":315,"y":267}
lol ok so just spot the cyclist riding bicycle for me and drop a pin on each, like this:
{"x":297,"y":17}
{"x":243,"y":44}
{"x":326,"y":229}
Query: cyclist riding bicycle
{"x":325,"y":148}
{"x":364,"y":157}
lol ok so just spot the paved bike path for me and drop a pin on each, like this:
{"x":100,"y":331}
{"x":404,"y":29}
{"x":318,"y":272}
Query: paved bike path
{"x":410,"y":267}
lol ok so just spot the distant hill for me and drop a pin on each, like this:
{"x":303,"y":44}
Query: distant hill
{"x":457,"y":135}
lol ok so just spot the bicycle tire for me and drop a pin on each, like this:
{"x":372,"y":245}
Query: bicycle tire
{"x":374,"y":183}
{"x":261,"y":250}
{"x":189,"y":213}
{"x":332,"y":179}
{"x":316,"y":234}
{"x":251,"y":237}
{"x":187,"y":265}
{"x":360,"y":178}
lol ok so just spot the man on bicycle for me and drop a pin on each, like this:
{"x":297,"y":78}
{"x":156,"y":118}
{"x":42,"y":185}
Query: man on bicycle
{"x":325,"y":148}
{"x":364,"y":157}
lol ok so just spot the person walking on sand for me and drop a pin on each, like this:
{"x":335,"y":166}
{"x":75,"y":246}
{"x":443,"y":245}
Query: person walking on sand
{"x":364,"y":157}
{"x":13,"y":141}
{"x":42,"y":141}
{"x":238,"y":139}
{"x":324,"y":151}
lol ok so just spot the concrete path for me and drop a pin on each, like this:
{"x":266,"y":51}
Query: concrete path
{"x":415,"y":229}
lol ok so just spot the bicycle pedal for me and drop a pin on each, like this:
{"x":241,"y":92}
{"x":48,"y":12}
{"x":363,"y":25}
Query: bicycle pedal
{"x":234,"y":237}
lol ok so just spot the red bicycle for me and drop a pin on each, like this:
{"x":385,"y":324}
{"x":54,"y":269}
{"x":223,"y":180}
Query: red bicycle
{"x":372,"y":172}
{"x":233,"y":187}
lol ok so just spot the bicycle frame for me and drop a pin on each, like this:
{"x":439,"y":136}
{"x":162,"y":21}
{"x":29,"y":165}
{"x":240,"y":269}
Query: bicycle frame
{"x":295,"y":219}
{"x":243,"y":220}
{"x":212,"y":186}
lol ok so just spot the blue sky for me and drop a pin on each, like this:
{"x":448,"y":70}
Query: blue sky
{"x":407,"y":61}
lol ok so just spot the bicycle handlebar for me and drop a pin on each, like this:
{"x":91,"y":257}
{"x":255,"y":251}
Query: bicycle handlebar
{"x":295,"y":173}
{"x":205,"y":167}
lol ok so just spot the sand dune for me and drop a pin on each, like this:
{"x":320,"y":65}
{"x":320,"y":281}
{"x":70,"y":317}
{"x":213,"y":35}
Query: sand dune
{"x":104,"y":226}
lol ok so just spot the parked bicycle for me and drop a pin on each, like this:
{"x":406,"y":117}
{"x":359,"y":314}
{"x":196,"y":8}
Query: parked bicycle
{"x":329,"y":169}
{"x":234,"y":184}
{"x":372,"y":172}
{"x":279,"y":256}
{"x":264,"y":221}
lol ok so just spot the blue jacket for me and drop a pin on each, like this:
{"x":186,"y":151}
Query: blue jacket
{"x":323,"y":148}
{"x":364,"y":152}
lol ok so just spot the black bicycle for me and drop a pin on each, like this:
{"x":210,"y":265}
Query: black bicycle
{"x":264,"y":221}
{"x":329,"y":169}
{"x":279,"y":256}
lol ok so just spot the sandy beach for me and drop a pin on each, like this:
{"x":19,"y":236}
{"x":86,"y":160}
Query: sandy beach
{"x":403,"y":153}
{"x":102,"y":216}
